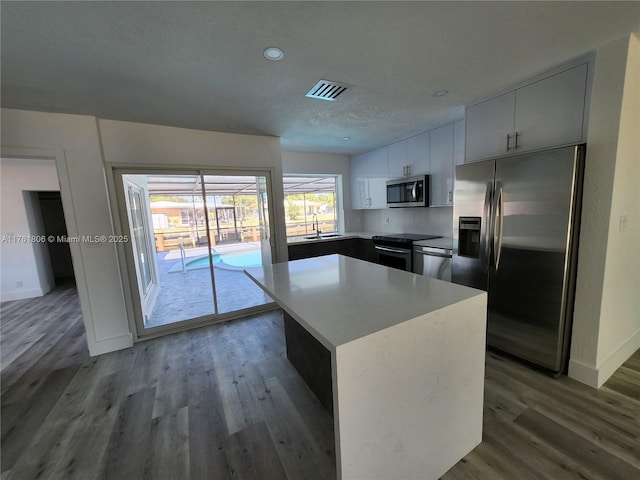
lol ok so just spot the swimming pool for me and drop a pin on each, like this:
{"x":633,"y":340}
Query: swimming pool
{"x":246,"y":259}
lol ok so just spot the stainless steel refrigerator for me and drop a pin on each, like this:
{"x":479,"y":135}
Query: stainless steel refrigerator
{"x":515,"y":235}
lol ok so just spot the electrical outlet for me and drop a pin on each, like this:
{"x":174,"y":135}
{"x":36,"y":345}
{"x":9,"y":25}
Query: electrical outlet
{"x":623,"y":223}
{"x":19,"y":284}
{"x":386,"y":220}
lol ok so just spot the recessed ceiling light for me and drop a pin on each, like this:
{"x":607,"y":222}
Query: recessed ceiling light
{"x":273,"y":53}
{"x":440,"y":93}
{"x":346,"y":139}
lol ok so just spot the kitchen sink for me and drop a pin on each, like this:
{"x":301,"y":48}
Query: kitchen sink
{"x":321,"y":236}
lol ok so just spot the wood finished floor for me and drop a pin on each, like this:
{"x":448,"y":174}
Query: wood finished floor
{"x":222,"y":402}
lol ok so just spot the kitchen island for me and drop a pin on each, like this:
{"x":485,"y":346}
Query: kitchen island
{"x":406,"y":360}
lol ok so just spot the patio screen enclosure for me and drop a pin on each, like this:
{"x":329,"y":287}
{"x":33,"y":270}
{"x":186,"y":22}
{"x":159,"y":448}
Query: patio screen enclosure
{"x":190,"y":237}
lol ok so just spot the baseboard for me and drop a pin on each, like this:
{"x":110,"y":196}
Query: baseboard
{"x":21,"y":294}
{"x":617,"y":358}
{"x":110,"y":344}
{"x":596,"y":376}
{"x":583,"y":373}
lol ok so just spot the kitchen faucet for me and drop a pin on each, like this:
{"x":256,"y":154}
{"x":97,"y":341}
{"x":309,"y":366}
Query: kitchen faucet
{"x":315,"y":225}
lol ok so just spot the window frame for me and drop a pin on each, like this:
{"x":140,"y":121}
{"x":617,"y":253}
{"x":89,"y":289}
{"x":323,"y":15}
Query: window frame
{"x":338,"y":216}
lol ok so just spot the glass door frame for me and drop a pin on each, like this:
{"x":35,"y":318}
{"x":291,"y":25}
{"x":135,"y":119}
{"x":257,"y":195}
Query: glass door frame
{"x":148,"y":297}
{"x":126,"y":255}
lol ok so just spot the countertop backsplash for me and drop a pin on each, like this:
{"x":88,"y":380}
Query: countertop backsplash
{"x":434,"y":221}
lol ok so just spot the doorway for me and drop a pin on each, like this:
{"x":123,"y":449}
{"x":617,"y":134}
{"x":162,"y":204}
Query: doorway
{"x":55,"y":227}
{"x":191,"y":234}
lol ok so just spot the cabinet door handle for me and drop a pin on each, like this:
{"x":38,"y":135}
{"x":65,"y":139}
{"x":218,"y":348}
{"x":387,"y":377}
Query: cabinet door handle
{"x":508,"y":142}
{"x":517,"y":146}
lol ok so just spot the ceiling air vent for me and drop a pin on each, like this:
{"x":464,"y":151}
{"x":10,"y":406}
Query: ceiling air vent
{"x":328,"y":90}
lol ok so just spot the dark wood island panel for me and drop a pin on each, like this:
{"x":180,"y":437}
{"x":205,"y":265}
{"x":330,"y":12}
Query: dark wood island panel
{"x":311,"y":359}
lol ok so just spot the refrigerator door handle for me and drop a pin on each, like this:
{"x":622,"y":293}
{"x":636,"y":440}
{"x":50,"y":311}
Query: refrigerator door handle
{"x":486,"y":222}
{"x":498,"y":218}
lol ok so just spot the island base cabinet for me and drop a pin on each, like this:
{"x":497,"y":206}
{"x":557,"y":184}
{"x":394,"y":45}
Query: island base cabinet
{"x":408,"y":400}
{"x":406,"y":355}
{"x":311,"y":359}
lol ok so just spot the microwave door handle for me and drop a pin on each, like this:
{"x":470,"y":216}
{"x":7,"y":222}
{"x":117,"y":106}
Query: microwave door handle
{"x":414,"y":193}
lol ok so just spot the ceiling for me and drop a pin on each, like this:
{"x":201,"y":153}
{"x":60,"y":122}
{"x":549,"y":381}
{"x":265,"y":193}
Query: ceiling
{"x":200,"y":65}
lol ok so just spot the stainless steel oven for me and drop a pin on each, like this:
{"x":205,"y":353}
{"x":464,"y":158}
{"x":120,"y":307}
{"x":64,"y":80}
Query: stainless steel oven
{"x":396,"y":251}
{"x":395,"y":257}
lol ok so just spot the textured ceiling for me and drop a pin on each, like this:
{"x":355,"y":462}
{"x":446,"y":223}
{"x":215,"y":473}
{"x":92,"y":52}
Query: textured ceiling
{"x":200,"y":65}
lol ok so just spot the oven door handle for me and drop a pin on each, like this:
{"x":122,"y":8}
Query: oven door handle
{"x":432,"y":253}
{"x":402,"y":251}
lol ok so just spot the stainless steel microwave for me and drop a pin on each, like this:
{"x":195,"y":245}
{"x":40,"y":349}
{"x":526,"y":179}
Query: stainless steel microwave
{"x":408,"y":192}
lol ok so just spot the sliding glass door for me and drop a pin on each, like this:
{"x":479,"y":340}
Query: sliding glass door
{"x":141,"y":245}
{"x":238,"y":233}
{"x":194,"y":233}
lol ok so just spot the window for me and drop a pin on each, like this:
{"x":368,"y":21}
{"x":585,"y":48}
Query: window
{"x":310,"y":202}
{"x":186,"y":217}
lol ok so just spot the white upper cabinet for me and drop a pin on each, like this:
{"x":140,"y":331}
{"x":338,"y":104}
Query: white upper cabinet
{"x":398,"y":160}
{"x":430,"y":153}
{"x":551,"y":112}
{"x":441,"y":171}
{"x":488,"y":125}
{"x":458,"y":143}
{"x":546,"y":113}
{"x":378,"y":173}
{"x":359,"y":182}
{"x":369,"y":173}
{"x":418,"y":154}
{"x":409,"y":157}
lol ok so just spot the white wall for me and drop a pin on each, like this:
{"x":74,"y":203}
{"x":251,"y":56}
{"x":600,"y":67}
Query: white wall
{"x":607,"y":309}
{"x":134,"y":145}
{"x":432,"y":220}
{"x":76,"y":144}
{"x":311,"y":163}
{"x":73,"y":142}
{"x":127,"y":144}
{"x":25,"y":268}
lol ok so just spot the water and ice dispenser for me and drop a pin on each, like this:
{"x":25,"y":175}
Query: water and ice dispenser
{"x":469,"y":237}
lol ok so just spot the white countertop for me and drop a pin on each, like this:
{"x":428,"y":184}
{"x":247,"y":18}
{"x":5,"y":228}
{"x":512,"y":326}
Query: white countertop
{"x":340,"y":236}
{"x":442,"y":242}
{"x":340,"y":299}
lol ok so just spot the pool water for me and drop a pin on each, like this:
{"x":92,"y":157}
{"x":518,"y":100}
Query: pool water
{"x":249,"y":258}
